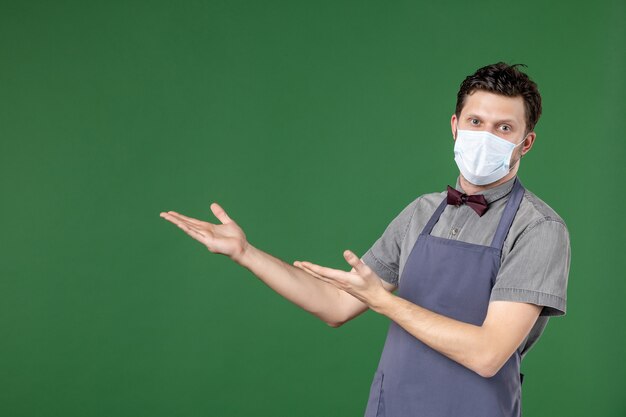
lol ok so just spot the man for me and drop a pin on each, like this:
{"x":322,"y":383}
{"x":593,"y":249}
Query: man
{"x":479,"y":269}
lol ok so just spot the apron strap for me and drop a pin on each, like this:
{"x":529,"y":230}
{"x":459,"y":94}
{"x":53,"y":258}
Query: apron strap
{"x":435,"y":217}
{"x":510,"y":211}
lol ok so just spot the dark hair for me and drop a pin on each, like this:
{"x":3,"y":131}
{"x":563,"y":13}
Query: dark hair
{"x":505,"y":80}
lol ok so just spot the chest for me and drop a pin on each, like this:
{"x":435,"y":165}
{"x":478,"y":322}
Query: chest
{"x":460,"y":224}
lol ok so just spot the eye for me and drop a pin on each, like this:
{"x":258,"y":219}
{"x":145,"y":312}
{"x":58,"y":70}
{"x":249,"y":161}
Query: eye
{"x":505,"y":128}
{"x":474,"y":122}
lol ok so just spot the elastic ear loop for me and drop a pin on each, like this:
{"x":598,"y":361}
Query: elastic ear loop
{"x":521,"y":156}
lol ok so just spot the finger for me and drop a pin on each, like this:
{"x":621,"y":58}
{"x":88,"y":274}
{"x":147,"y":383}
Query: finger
{"x":175,"y":217}
{"x":220,"y":213}
{"x":360,"y":267}
{"x":194,"y":233}
{"x":188,"y":219}
{"x":327,"y":272}
{"x":327,"y":280}
{"x":315,"y":275}
{"x":298,"y":265}
{"x":176,"y":220}
{"x":186,"y":226}
{"x":170,"y":218}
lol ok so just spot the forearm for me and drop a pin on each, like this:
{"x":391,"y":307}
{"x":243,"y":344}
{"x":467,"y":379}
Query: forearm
{"x":465,"y":343}
{"x":317,"y":297}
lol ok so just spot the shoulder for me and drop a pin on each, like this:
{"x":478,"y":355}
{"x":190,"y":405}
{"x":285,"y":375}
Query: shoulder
{"x":535,"y":214}
{"x":539,"y":209}
{"x":424,"y":202}
{"x":427,"y":203}
{"x":419,"y":207}
{"x":535,"y":258}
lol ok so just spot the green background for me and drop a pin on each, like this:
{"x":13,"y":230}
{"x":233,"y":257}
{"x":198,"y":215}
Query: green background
{"x":313,"y":124}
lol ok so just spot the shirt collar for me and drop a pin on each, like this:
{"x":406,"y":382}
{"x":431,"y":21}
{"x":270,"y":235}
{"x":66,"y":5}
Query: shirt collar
{"x":492,"y":194}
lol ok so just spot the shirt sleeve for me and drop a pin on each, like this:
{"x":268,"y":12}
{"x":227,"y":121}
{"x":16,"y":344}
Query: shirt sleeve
{"x":536,"y":269}
{"x":384,"y":256}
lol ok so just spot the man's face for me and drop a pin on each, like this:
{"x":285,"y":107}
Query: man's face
{"x":500,"y":115}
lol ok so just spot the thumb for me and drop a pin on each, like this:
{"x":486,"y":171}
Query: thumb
{"x":356,"y":263}
{"x":220,"y":213}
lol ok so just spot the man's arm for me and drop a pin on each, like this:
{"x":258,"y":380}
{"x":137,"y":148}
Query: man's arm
{"x":333,"y":306}
{"x":483,"y":349}
{"x":321,"y":299}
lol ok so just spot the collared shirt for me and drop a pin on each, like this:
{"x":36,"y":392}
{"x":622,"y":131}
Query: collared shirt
{"x":535,"y":256}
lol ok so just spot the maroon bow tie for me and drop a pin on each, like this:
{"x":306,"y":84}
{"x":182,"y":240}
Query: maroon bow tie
{"x":477,"y":202}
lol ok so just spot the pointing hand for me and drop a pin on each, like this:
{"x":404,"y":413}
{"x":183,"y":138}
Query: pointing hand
{"x":362,"y":282}
{"x":226,"y":238}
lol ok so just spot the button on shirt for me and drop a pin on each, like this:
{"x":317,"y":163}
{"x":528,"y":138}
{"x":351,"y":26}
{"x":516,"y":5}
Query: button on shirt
{"x":535,"y":257}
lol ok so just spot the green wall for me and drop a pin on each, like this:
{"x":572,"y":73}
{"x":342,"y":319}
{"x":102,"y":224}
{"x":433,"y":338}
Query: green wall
{"x":313,"y":124}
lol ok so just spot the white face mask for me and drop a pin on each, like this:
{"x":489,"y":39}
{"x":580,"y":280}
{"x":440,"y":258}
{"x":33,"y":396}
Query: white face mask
{"x":482,"y":157}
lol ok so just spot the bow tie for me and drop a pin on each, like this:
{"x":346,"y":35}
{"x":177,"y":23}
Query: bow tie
{"x":477,"y":202}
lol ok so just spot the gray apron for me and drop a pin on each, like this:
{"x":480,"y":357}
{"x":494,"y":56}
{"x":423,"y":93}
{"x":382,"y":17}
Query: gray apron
{"x":454,"y":279}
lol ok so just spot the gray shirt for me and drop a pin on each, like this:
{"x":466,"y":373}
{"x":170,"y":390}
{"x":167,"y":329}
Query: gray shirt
{"x":535,"y":257}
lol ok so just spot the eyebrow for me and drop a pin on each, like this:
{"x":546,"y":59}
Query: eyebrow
{"x":509,"y":121}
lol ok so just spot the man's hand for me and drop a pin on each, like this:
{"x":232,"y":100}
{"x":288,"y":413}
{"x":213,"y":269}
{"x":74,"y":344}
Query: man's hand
{"x":298,"y":285}
{"x":362,"y":283}
{"x":226,"y":238}
{"x":483,"y":349}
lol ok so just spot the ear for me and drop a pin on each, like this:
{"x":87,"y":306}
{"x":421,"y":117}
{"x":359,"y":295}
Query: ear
{"x":528,"y":143}
{"x":453,"y":123}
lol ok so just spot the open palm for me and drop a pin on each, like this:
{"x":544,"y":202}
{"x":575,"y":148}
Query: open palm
{"x":226,"y":238}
